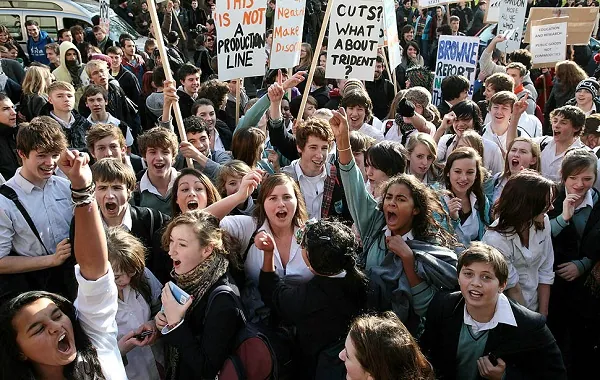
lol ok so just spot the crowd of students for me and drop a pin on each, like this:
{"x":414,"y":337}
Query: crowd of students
{"x":374,"y":236}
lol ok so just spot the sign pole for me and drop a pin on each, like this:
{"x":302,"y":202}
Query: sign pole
{"x":169,"y":76}
{"x":315,"y":60}
{"x":237,"y":101}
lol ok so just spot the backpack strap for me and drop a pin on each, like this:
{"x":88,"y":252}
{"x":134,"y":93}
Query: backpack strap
{"x":224,"y":289}
{"x":10,"y":193}
{"x":151,"y":224}
{"x":450,"y":141}
{"x":250,"y":243}
{"x":544,"y":143}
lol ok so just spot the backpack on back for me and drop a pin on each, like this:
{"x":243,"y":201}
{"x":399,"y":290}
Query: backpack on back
{"x":253,"y":357}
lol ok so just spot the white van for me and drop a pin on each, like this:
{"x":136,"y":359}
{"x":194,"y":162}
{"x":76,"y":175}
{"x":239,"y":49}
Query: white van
{"x":53,"y":15}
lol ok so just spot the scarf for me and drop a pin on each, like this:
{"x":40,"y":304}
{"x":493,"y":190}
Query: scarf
{"x":73,"y":67}
{"x":195,"y":283}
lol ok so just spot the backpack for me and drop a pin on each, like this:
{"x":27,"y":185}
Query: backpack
{"x":253,"y":357}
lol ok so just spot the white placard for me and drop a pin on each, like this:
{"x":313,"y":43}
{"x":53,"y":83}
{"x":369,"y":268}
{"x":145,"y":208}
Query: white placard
{"x":548,"y":43}
{"x":492,"y":13}
{"x":354,"y":30}
{"x":511,"y":20}
{"x":287,"y":33}
{"x":104,"y":17}
{"x":241,"y":27}
{"x":457,"y":55}
{"x":433,"y":3}
{"x":391,"y":39}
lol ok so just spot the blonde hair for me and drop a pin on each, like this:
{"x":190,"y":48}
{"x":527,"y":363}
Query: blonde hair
{"x":417,"y":138}
{"x":60,"y":85}
{"x":37,"y":80}
{"x":94,"y":63}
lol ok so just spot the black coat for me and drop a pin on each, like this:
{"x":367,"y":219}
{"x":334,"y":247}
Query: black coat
{"x":529,"y":349}
{"x":130,"y":85}
{"x":9,"y":162}
{"x":205,"y":340}
{"x":381,"y":92}
{"x":321,"y":95}
{"x":321,"y":310}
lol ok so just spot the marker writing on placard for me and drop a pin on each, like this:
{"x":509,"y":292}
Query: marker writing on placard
{"x":348,"y":71}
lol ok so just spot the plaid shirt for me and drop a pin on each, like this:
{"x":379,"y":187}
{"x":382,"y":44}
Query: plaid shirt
{"x":330,"y":182}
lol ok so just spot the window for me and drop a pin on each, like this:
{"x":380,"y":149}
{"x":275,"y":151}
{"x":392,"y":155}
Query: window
{"x":69,"y":22}
{"x":46,"y":23}
{"x":13,"y":24}
{"x":30,"y":5}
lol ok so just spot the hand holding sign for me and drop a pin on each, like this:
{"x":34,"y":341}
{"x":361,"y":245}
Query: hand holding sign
{"x":276,"y":91}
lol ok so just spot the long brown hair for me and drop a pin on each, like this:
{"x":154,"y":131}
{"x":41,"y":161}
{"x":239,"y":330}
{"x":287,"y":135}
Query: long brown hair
{"x":386,"y":350}
{"x":569,"y":75}
{"x":306,"y":62}
{"x":267,"y":187}
{"x":477,"y":188}
{"x":245,"y":145}
{"x":127,"y":254}
{"x":525,"y":196}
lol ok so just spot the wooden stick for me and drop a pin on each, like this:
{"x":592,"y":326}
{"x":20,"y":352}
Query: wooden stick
{"x":385,"y":61}
{"x":237,"y":101}
{"x":289,"y":91}
{"x":168,"y":75}
{"x":315,"y":60}
{"x":178,"y":23}
{"x":448,"y":13}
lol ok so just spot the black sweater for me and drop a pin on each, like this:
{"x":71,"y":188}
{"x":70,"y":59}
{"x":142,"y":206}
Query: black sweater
{"x":529,"y":349}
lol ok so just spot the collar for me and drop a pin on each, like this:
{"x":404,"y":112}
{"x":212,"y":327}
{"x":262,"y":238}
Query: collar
{"x":587,"y":201}
{"x":126,"y":222}
{"x":62,"y":122}
{"x":25,"y":185}
{"x":407,"y":236}
{"x":109,"y":120}
{"x":300,"y":173}
{"x":145,"y":183}
{"x":519,"y":89}
{"x":502,"y":314}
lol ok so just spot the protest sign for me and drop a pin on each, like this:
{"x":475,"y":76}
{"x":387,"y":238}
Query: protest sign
{"x":434,"y":3}
{"x":391,"y":33}
{"x":549,"y":42}
{"x":511,"y":20}
{"x":353,"y":39}
{"x":580,"y":24}
{"x":104,"y":17}
{"x":241,"y":26}
{"x":287,"y":33}
{"x":457,"y":55}
{"x":492,"y":13}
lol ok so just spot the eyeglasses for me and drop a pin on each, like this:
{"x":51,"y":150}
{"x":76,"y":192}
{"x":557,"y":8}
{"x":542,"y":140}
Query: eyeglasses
{"x":301,"y":232}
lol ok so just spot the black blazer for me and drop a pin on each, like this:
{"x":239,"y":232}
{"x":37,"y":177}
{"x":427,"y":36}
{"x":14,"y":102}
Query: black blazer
{"x":529,"y":350}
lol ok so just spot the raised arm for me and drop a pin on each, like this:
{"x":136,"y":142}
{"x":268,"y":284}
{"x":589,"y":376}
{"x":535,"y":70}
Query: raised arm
{"x":518,"y":108}
{"x":91,"y":251}
{"x":223,"y":207}
{"x":487,"y":65}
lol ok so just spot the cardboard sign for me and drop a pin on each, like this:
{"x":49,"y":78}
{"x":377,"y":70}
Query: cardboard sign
{"x":392,"y":40}
{"x":287,"y":33}
{"x":457,"y":55}
{"x":241,"y":26}
{"x":353,"y":39}
{"x":512,"y":19}
{"x":434,"y":3}
{"x":549,"y":42}
{"x":580,"y":24}
{"x":492,"y":13}
{"x":104,"y":16}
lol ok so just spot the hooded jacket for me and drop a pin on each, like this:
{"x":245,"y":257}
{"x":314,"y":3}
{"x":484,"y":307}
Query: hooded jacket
{"x":37,"y":49}
{"x":8,"y":151}
{"x":62,"y":72}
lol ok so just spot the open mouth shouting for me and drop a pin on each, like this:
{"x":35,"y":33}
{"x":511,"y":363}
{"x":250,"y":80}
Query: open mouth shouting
{"x":281,"y":215}
{"x":475,"y":295}
{"x":64,"y":345}
{"x":111,"y":207}
{"x":159,"y":167}
{"x":192,"y":205}
{"x":176,"y":264}
{"x":391,"y":217}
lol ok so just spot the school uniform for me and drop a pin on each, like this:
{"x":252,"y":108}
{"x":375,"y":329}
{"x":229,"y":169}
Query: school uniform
{"x":492,"y":156}
{"x":516,"y":335}
{"x":574,"y":309}
{"x":550,"y":161}
{"x":296,"y":272}
{"x":527,"y":266}
{"x":474,"y":226}
{"x":151,"y":197}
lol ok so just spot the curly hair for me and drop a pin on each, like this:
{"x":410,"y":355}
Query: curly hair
{"x":214,"y":90}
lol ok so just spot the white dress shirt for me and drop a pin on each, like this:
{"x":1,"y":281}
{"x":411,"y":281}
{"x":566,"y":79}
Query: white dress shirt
{"x":527,"y":266}
{"x":96,"y":306}
{"x":502,"y":314}
{"x":49,"y":207}
{"x":312,"y":188}
{"x":551,"y":162}
{"x":492,"y":156}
